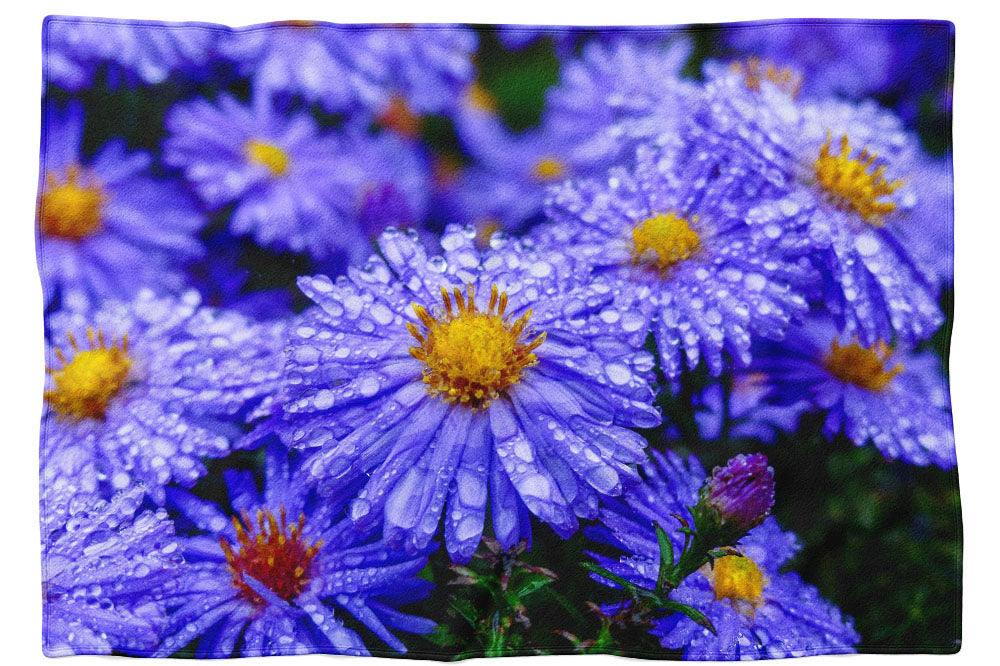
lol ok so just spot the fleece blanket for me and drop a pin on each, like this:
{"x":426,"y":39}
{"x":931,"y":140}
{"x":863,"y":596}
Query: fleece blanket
{"x":453,"y":341}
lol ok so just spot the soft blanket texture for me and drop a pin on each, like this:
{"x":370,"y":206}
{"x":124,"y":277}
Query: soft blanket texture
{"x":450,"y":341}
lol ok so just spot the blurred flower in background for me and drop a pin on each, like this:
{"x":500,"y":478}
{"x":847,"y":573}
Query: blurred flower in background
{"x":105,"y":216}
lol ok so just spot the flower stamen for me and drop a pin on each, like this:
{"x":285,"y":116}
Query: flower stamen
{"x":273,"y":553}
{"x":664,"y":240}
{"x":71,"y":207}
{"x":269,"y":155}
{"x":862,"y":366}
{"x":738,"y":579}
{"x":85,"y":384}
{"x":755,"y":71}
{"x":852,"y":182}
{"x":548,"y":169}
{"x":400,"y":118}
{"x":472,"y":356}
{"x":480,"y":98}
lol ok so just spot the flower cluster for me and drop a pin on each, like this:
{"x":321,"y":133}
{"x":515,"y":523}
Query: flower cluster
{"x":326,"y":318}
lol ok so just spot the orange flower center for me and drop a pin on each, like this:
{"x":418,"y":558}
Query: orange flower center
{"x":272,"y":552}
{"x":739,"y":579}
{"x":548,"y":169}
{"x":862,"y":366}
{"x":400,"y":118}
{"x":269,"y":155}
{"x":480,"y":98}
{"x":756,"y":71}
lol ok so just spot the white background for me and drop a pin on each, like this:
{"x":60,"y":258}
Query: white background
{"x":976,"y":343}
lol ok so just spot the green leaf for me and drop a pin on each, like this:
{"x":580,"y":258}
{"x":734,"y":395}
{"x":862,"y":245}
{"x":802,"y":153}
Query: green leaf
{"x":496,"y":641}
{"x":666,"y":557}
{"x":465,"y":609}
{"x":604,"y":573}
{"x":531,"y":585}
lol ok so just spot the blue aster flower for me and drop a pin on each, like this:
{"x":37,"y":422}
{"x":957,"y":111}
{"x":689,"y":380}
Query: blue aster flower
{"x":148,"y":52}
{"x":269,"y":572}
{"x":107,"y":564}
{"x":616,"y":94}
{"x":893,"y":397}
{"x":928,"y":236}
{"x":901,"y":61}
{"x":737,"y":408}
{"x":758,"y":610}
{"x":678,"y":233}
{"x":141,"y":385}
{"x":442,"y":384}
{"x":105,"y":226}
{"x":566,"y":39}
{"x":294,"y":188}
{"x":504,"y":188}
{"x":844,"y":175}
{"x":345,"y":68}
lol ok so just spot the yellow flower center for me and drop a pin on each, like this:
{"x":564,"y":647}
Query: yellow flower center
{"x":273,"y":553}
{"x":739,"y":579}
{"x":862,"y":366}
{"x":70,"y":207}
{"x":268,"y":155}
{"x":471,"y":357}
{"x":664,"y":240}
{"x":853,"y":183}
{"x":86,"y":384}
{"x":756,"y":71}
{"x":548,"y":169}
{"x":480,"y":98}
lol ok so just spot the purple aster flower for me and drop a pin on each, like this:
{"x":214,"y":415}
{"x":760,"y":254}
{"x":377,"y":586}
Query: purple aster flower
{"x":106,"y":566}
{"x":566,"y":38}
{"x":677,"y":233}
{"x":505,"y":186}
{"x":105,"y":226}
{"x":443,"y":384}
{"x":269,"y":573}
{"x":741,"y":492}
{"x":895,"y":398}
{"x":141,"y":385}
{"x":292,"y":187}
{"x":739,"y":410}
{"x":843,"y":174}
{"x":75,"y":48}
{"x":616,"y":94}
{"x":852,"y":59}
{"x":902,"y":61}
{"x":758,"y":611}
{"x":344,"y":67}
{"x":929,"y":236}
